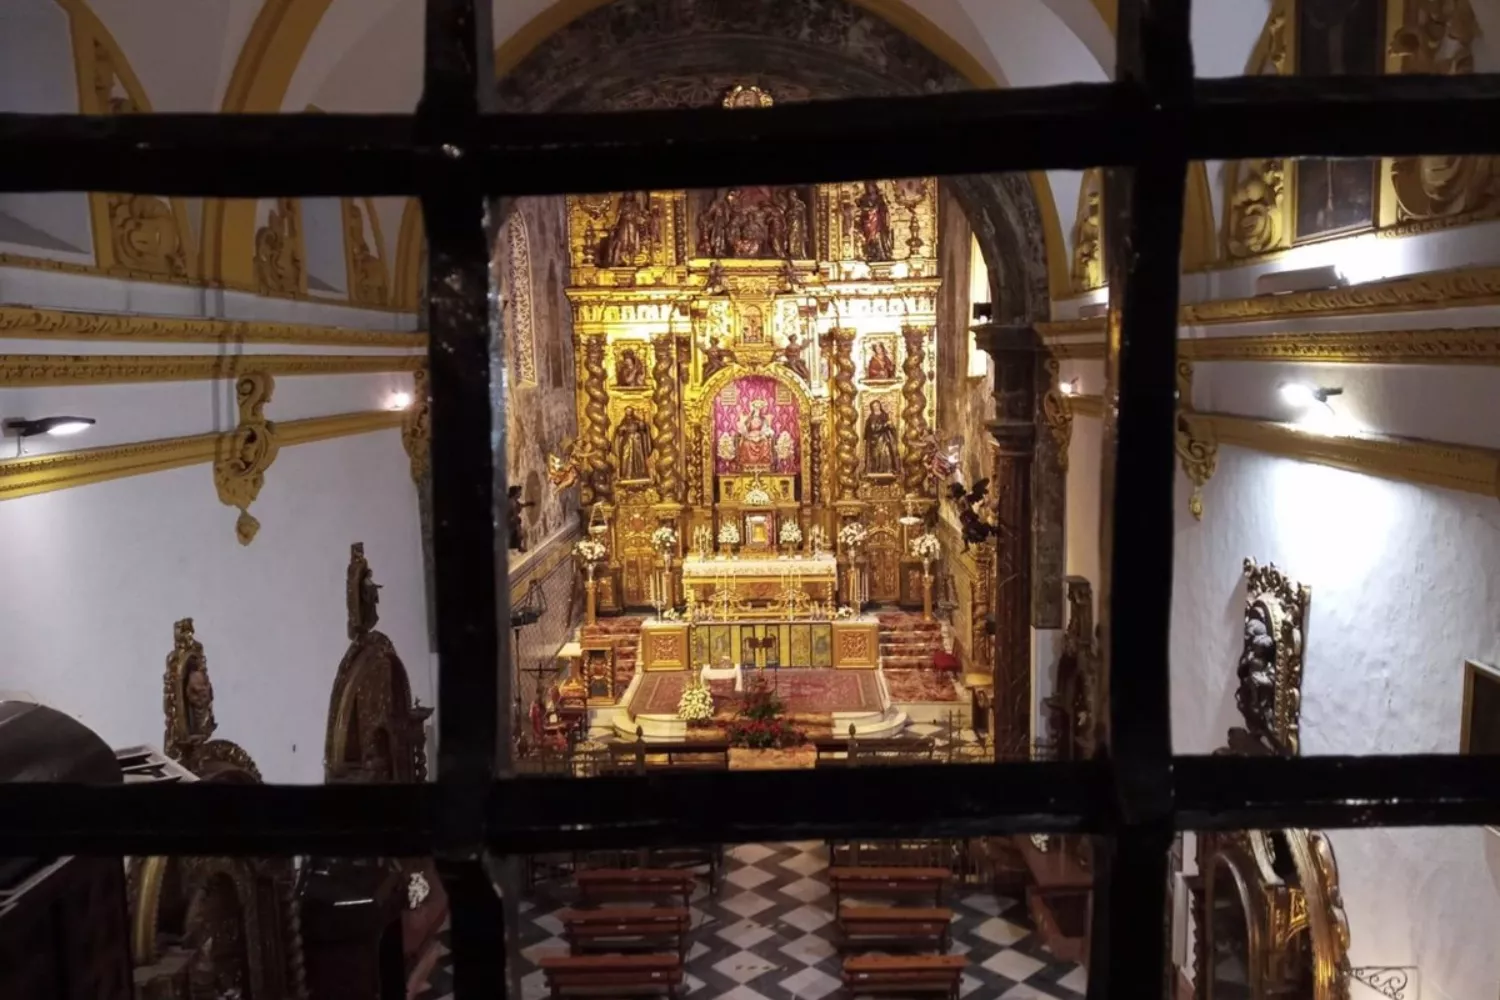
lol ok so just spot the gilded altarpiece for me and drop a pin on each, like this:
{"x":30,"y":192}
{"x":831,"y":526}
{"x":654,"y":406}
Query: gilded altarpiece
{"x":751,"y":357}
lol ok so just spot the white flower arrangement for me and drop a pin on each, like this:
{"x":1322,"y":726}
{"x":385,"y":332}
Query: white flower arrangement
{"x":589,"y":550}
{"x":671,"y":615}
{"x":843,"y":612}
{"x":696,"y":704}
{"x":791,"y":533}
{"x":852,"y":535}
{"x":417,"y":890}
{"x":926,"y":547}
{"x":729,"y":533}
{"x":664,"y":539}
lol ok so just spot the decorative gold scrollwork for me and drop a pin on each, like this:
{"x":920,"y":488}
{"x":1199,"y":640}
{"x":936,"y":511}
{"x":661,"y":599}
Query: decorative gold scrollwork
{"x":247,"y":452}
{"x":1269,"y":695}
{"x":368,"y":284}
{"x":279,"y":268}
{"x":1057,"y":413}
{"x":1258,"y":219}
{"x":1088,"y":233}
{"x":1197,"y":448}
{"x":416,"y":427}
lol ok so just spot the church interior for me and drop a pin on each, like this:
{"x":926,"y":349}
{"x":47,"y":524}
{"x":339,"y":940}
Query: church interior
{"x":797,"y":477}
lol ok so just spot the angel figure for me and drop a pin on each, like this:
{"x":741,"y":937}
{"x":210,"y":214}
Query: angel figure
{"x":563,"y":470}
{"x":972,"y":512}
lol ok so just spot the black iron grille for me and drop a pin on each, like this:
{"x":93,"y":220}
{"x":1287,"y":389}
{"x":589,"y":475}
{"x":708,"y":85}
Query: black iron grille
{"x":1146,"y":126}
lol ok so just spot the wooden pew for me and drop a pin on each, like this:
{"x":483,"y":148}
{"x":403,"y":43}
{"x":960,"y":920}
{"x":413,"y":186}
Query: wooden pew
{"x":601,"y":885}
{"x":889,"y":883}
{"x":878,"y":927}
{"x":612,"y":975}
{"x":837,"y":751}
{"x":621,"y":928}
{"x":903,"y":975}
{"x":639,"y":757}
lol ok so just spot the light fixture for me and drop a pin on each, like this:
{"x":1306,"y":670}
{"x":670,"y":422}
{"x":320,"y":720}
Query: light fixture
{"x":56,"y":426}
{"x":1068,"y":388}
{"x":398,"y":401}
{"x":1302,"y":395}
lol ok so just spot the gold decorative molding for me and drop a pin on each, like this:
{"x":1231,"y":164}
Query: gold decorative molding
{"x":21,"y":477}
{"x":1258,"y":198}
{"x":1197,"y":448}
{"x":247,"y":452}
{"x":1057,"y":413}
{"x":27,"y":323}
{"x":280,"y":259}
{"x":1474,"y":346}
{"x":29,"y":370}
{"x":367,"y":275}
{"x":416,"y":427}
{"x":1088,"y":233}
{"x":1475,"y":286}
{"x":1092,"y":350}
{"x":1086,"y":406}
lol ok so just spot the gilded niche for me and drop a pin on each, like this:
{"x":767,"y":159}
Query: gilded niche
{"x":1269,"y":696}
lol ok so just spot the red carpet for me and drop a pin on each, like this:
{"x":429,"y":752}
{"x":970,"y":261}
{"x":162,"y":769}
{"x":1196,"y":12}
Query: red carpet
{"x":920,"y":685}
{"x":805,"y":691}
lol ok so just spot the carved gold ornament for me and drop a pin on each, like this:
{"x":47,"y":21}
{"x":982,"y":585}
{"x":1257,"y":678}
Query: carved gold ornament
{"x":367,"y":278}
{"x":1057,"y":414}
{"x":1269,"y":696}
{"x":1258,"y":204}
{"x":279,"y":260}
{"x":247,"y":452}
{"x":1197,"y":448}
{"x":1437,"y":38}
{"x":1088,"y":233}
{"x":27,"y":323}
{"x":914,"y":410}
{"x":416,"y":427}
{"x":23,"y":370}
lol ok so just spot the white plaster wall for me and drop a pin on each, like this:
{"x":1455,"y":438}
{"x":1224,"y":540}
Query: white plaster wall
{"x":94,"y":577}
{"x":1081,"y":529}
{"x":1404,"y":587}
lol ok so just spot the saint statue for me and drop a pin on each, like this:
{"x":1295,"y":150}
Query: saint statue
{"x":792,"y":355}
{"x":776,"y":230}
{"x":881,"y":367}
{"x":715,"y":357}
{"x":795,"y":212}
{"x":198,"y":694}
{"x":633,"y":447}
{"x":880,"y":442}
{"x":362,"y":593}
{"x":514,"y":525}
{"x":874,"y":223}
{"x":756,"y":436}
{"x":626,"y":238}
{"x":630,"y":371}
{"x":713,"y":227}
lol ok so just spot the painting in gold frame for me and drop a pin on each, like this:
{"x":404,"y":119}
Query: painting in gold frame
{"x":881,"y":365}
{"x":631,"y":359}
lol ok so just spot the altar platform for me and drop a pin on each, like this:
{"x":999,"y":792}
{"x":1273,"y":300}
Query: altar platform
{"x":759,"y":582}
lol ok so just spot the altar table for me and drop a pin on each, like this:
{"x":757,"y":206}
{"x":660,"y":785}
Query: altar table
{"x":761,"y":580}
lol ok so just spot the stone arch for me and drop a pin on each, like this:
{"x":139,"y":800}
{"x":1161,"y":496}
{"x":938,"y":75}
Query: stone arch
{"x":630,"y":54}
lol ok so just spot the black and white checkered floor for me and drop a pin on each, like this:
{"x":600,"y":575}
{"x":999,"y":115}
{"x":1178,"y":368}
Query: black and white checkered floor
{"x":768,"y":936}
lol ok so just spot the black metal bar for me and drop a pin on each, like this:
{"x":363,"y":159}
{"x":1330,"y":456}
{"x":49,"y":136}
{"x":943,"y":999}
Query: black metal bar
{"x":527,"y":814}
{"x":1143,"y":208}
{"x":472,"y":647}
{"x":1071,"y":126}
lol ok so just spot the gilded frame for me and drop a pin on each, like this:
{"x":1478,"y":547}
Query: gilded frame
{"x":697,"y":404}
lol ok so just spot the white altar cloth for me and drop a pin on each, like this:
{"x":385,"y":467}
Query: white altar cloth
{"x":708,"y":673}
{"x":696,"y":568}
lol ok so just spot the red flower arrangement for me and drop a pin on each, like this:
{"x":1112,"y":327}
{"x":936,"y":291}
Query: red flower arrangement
{"x":760,"y":723}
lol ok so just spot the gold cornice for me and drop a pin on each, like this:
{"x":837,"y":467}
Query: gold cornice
{"x":1436,"y":290}
{"x":1474,"y":346}
{"x":1450,"y":346}
{"x":20,"y":477}
{"x":29,"y":370}
{"x":1477,"y":286}
{"x":1086,"y":406}
{"x":1430,"y":463}
{"x":24,"y":322}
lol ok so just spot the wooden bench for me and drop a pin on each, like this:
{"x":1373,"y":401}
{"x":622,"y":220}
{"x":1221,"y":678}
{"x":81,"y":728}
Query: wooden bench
{"x":878,"y":927}
{"x":600,"y":885}
{"x":889,"y":883}
{"x":639,"y":757}
{"x":612,"y":975}
{"x":622,"y":928}
{"x":837,"y":751}
{"x":904,"y":975}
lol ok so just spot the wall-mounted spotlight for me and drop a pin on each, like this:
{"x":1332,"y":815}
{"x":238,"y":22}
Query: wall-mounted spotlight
{"x":1302,"y":395}
{"x":398,"y":401}
{"x":21,"y":429}
{"x":1068,"y":388}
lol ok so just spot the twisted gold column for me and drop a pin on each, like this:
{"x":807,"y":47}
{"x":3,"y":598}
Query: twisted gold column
{"x":914,"y":409}
{"x":846,"y":417}
{"x":665,"y":455}
{"x":598,"y":485}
